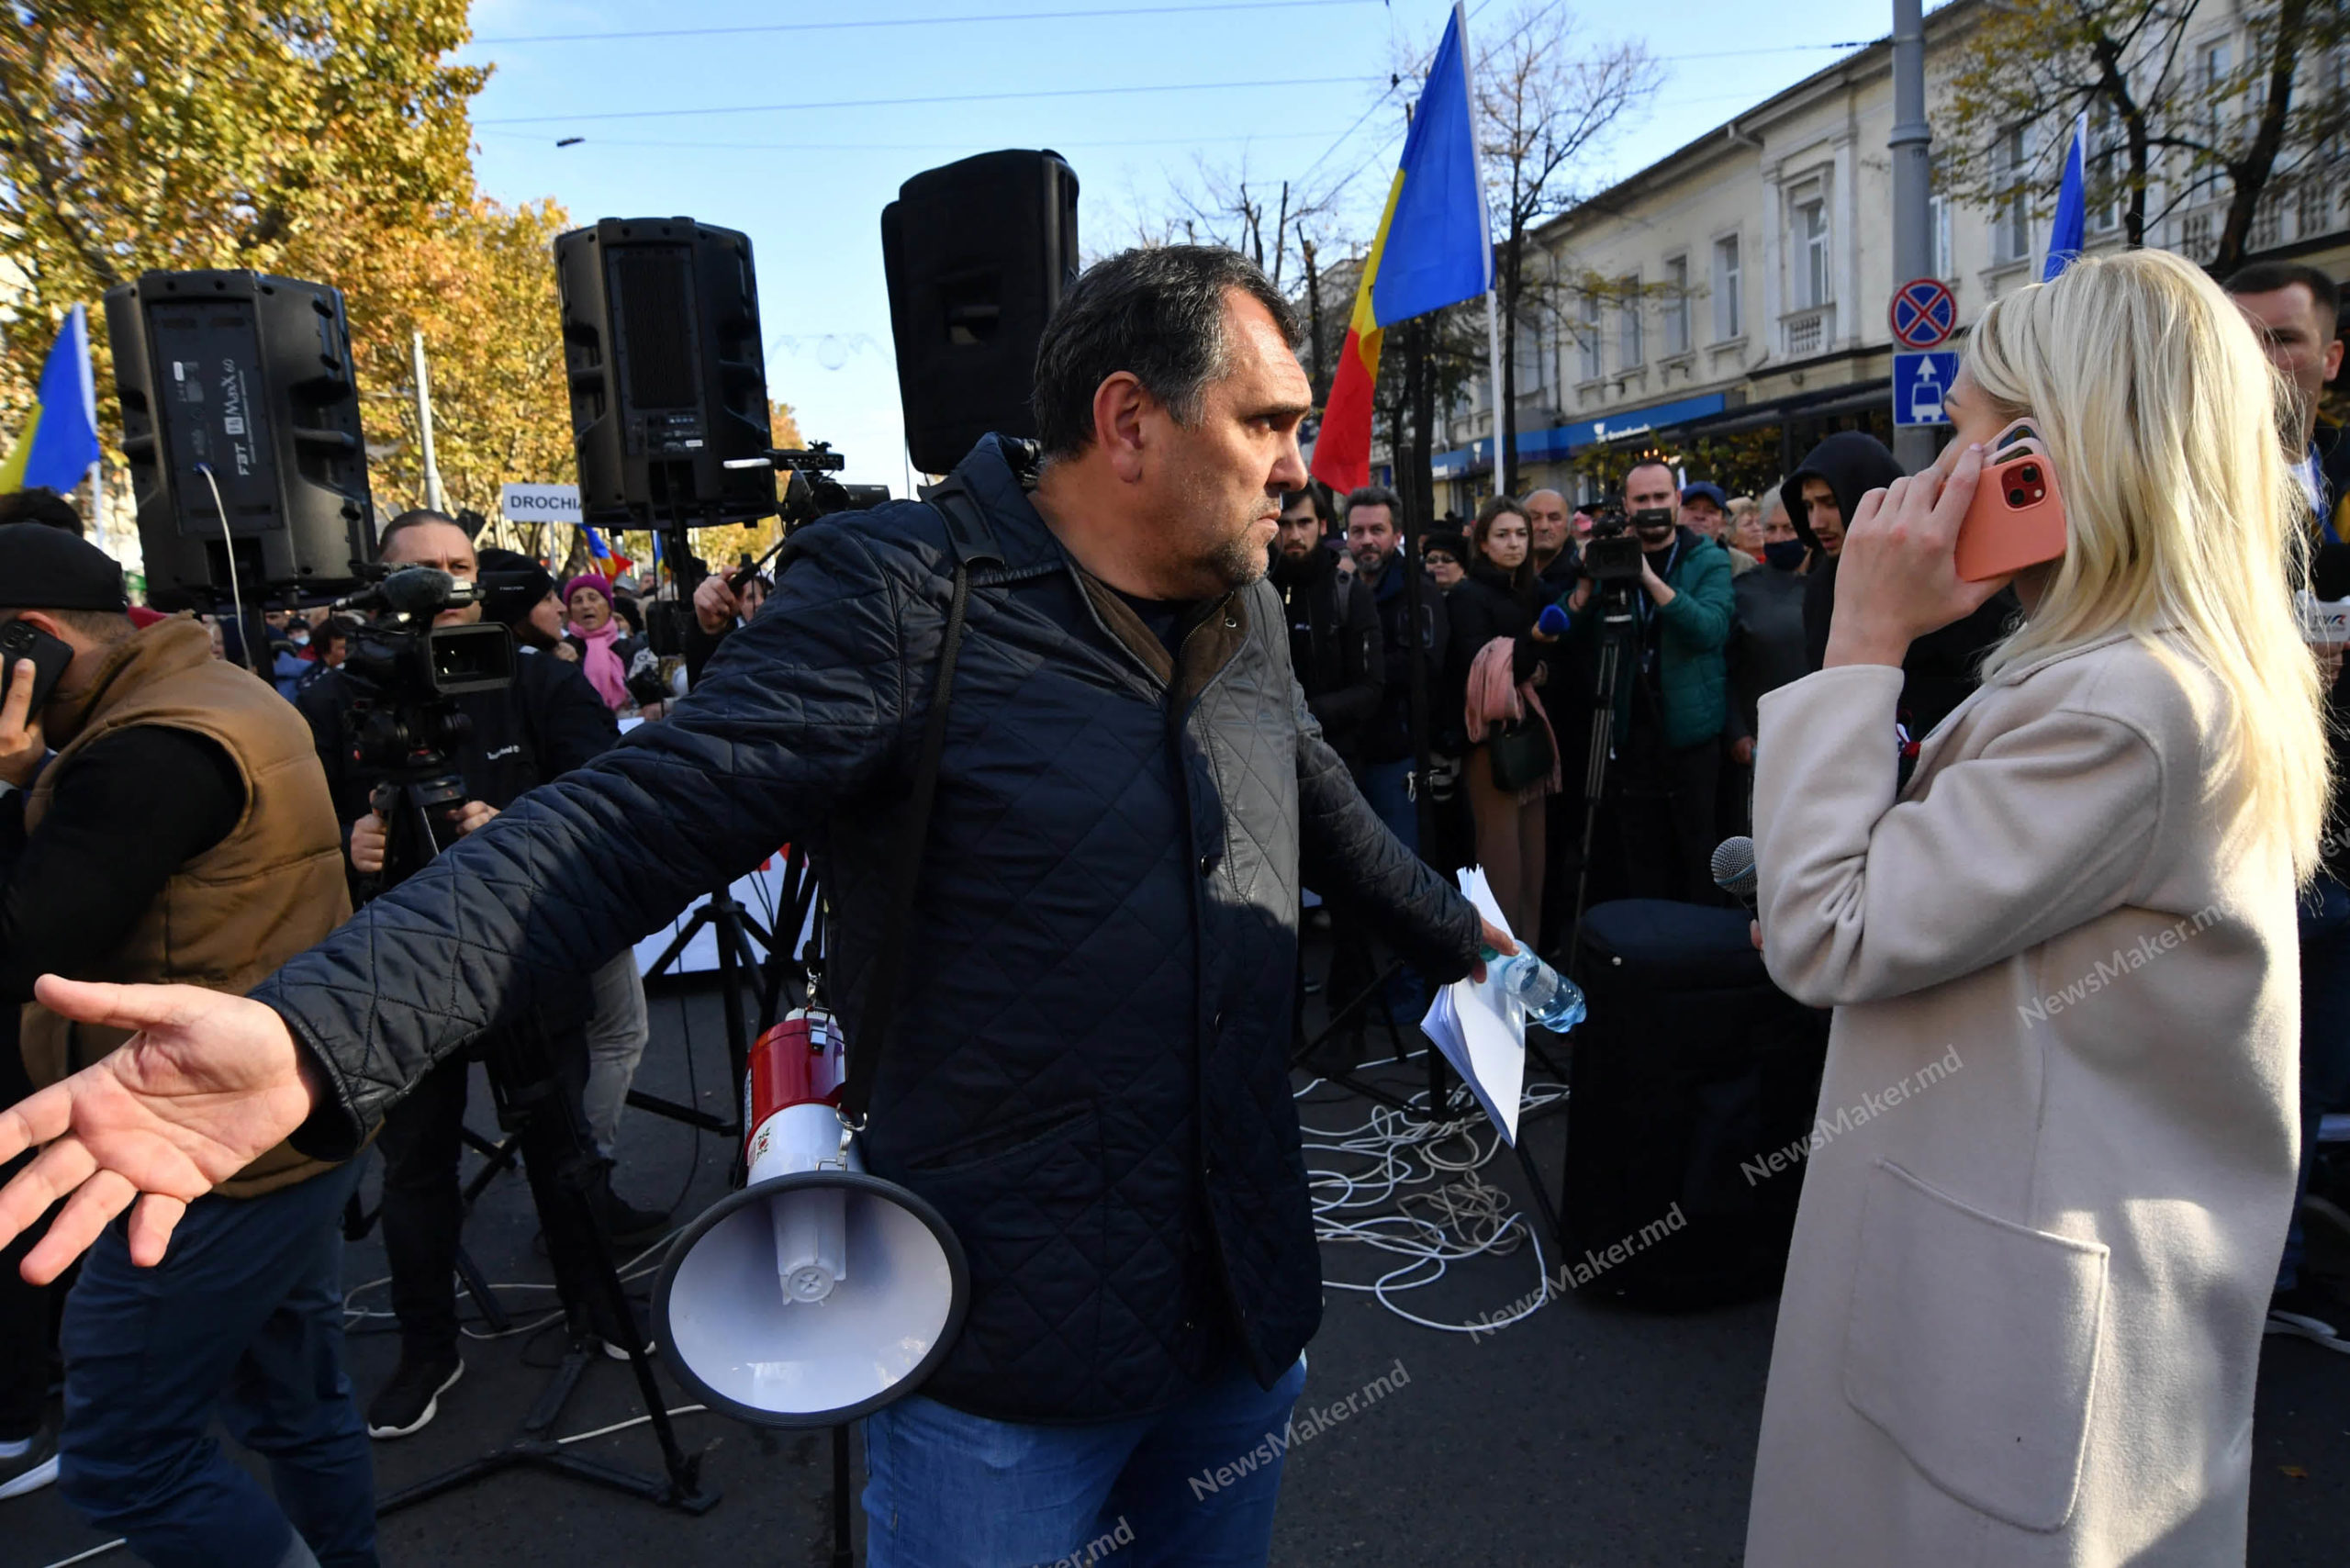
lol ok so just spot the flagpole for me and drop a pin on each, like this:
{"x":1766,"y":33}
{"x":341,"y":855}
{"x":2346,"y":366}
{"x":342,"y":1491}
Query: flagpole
{"x":1494,"y":331}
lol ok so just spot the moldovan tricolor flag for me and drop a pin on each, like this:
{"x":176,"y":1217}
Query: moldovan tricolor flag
{"x":608,"y":561}
{"x":59,"y":438}
{"x":1434,"y":248}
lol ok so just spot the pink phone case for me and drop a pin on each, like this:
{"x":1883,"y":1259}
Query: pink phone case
{"x":2017,"y":517}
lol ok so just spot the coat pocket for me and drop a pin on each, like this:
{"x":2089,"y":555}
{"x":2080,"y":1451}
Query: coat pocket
{"x":1972,"y":1342}
{"x":1027,"y":1205}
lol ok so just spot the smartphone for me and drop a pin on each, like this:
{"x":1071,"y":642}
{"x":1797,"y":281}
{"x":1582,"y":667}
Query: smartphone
{"x":2017,"y":517}
{"x":23,"y":640}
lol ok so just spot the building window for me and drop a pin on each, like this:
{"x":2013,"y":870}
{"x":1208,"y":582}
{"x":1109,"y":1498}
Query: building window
{"x":1676,"y":307}
{"x":2011,"y":211}
{"x":1730,"y":305}
{"x":1529,"y":358}
{"x":1627,"y":331}
{"x":2195,"y":241}
{"x":1808,"y":233}
{"x":2103,"y":168}
{"x":1590,"y":336}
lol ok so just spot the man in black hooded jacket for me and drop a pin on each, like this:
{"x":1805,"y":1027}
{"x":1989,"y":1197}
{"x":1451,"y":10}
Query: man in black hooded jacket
{"x":1334,"y":640}
{"x":1821,"y":496}
{"x":1088,"y":1074}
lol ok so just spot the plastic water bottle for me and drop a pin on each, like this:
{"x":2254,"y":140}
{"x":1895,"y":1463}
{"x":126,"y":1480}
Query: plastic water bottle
{"x":1550,"y":998}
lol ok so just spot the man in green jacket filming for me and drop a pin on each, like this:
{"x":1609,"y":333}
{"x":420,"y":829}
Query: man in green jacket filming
{"x":1670,"y":696}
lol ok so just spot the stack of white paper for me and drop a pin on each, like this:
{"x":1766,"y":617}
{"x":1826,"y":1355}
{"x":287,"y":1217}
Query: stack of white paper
{"x":1481,"y":1031}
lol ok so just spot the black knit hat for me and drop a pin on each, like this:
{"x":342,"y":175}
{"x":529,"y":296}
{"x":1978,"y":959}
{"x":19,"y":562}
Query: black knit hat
{"x":512,"y":585}
{"x":48,"y":568}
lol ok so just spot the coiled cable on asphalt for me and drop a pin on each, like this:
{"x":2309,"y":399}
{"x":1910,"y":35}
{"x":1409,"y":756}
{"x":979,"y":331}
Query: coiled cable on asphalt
{"x":1408,"y":1184}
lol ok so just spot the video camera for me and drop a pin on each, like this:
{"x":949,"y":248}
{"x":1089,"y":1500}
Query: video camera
{"x":409,"y":673}
{"x":1611,"y":554}
{"x":401,"y":653}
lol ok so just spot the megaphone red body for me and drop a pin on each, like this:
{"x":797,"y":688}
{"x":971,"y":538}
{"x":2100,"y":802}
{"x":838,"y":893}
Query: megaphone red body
{"x":817,"y":1293}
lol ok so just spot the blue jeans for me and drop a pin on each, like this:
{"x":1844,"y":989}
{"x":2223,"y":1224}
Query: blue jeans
{"x":2325,"y":1038}
{"x":242,"y":1322}
{"x":948,"y":1490}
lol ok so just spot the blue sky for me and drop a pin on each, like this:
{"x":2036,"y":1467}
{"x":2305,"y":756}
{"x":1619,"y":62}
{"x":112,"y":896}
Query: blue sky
{"x":1293,"y":89}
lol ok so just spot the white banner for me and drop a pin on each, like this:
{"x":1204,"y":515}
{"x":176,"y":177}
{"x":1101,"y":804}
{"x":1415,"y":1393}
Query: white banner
{"x":541,"y":503}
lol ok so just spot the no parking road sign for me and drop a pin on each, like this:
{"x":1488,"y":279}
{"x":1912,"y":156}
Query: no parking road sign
{"x":1924,"y":314}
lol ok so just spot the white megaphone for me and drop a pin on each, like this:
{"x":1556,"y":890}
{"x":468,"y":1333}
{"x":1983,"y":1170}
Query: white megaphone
{"x":816,"y":1293}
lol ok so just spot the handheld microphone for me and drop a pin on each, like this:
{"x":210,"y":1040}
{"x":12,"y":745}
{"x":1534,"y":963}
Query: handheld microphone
{"x":1734,"y":870}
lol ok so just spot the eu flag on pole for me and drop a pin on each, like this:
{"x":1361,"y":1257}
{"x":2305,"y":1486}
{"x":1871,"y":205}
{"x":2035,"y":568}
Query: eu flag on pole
{"x":2066,"y":230}
{"x":1433,"y":248}
{"x":59,"y":439}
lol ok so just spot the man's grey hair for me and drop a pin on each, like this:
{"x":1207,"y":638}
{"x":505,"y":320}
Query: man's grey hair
{"x":1155,"y":313}
{"x":1376,"y":496}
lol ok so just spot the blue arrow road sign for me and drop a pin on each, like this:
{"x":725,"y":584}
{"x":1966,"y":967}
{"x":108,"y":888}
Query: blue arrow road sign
{"x":1920,"y":380}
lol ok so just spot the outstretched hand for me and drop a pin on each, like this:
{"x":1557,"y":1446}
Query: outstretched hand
{"x":209,"y":1083}
{"x":1896,"y":576}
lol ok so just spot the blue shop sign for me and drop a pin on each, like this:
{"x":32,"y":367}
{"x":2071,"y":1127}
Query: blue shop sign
{"x":1558,"y":441}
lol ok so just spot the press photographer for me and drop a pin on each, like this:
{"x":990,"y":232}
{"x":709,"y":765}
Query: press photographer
{"x":1088,"y":1074}
{"x":547,"y":722}
{"x":182,"y":834}
{"x":1673,"y":697}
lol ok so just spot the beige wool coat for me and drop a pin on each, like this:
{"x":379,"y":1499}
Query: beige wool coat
{"x":2057,"y":1145}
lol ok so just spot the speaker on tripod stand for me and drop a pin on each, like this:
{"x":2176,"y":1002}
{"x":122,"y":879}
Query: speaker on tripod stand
{"x":667,"y":376}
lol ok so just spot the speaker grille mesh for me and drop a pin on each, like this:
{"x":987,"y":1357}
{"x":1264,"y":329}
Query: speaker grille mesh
{"x":653,"y":295}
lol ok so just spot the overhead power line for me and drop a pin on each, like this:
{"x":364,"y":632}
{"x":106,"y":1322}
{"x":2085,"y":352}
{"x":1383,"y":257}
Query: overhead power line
{"x":863,"y":24}
{"x":1022,"y":96}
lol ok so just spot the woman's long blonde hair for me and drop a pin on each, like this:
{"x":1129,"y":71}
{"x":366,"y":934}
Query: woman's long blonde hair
{"x":2163,"y":418}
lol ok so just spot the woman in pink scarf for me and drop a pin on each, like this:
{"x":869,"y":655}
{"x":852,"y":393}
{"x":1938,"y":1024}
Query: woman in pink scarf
{"x":600,"y":637}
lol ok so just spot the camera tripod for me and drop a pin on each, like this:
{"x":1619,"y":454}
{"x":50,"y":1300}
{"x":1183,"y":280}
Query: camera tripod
{"x":541,"y":1116}
{"x":1616,"y":634}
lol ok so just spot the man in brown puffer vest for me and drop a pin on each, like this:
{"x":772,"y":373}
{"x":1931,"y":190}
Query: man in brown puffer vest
{"x":181,"y":833}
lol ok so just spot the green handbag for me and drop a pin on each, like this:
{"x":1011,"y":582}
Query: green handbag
{"x":1521,"y":754}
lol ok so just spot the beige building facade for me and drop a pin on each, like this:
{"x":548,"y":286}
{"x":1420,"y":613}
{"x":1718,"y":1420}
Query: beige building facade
{"x":1728,"y":305}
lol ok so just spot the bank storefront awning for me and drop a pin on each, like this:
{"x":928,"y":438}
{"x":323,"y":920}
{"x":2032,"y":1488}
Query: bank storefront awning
{"x":1556,"y":441}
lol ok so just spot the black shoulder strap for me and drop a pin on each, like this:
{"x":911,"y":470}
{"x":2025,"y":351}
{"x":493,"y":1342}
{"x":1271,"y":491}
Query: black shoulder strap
{"x":971,"y":541}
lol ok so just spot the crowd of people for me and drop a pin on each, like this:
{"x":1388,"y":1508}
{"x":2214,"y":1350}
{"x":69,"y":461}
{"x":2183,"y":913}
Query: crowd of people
{"x":1667,"y":665}
{"x":582,"y":672}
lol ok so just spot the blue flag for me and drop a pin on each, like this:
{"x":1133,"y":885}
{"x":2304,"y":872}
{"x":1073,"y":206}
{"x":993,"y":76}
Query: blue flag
{"x":1437,"y":244}
{"x":59,"y":438}
{"x":2072,"y":207}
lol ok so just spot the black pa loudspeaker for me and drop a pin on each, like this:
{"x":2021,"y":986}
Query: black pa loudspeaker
{"x":977,"y":256}
{"x":668,"y":378}
{"x":240,"y":386}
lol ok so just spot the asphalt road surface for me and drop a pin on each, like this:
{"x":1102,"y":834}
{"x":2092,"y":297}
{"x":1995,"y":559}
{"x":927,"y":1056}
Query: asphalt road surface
{"x":1583,"y":1435}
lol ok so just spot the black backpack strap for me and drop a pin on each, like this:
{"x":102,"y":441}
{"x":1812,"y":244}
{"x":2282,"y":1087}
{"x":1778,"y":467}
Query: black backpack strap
{"x":973,"y":541}
{"x":969,"y":535}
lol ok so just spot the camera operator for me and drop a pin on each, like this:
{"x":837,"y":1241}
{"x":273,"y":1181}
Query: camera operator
{"x":1671,"y":701}
{"x":545,"y":723}
{"x":181,"y":833}
{"x":1088,"y":1077}
{"x":520,"y":597}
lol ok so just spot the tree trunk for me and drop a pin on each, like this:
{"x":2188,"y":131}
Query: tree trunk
{"x":1313,"y":367}
{"x":1421,"y":385}
{"x":2250,"y":173}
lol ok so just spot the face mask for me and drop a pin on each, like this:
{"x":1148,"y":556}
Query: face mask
{"x":1785,"y":554}
{"x":301,"y":636}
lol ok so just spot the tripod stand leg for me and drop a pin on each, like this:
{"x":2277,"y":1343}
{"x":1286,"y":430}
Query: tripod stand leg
{"x":485,"y":1299}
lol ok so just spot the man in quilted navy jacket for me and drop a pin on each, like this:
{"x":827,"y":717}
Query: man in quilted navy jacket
{"x":1088,"y":1072}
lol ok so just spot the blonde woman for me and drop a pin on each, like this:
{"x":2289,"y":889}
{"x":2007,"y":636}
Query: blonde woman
{"x":2023,"y":1312}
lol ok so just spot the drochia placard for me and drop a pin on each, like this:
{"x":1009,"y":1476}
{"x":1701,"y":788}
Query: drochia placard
{"x":541,"y":503}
